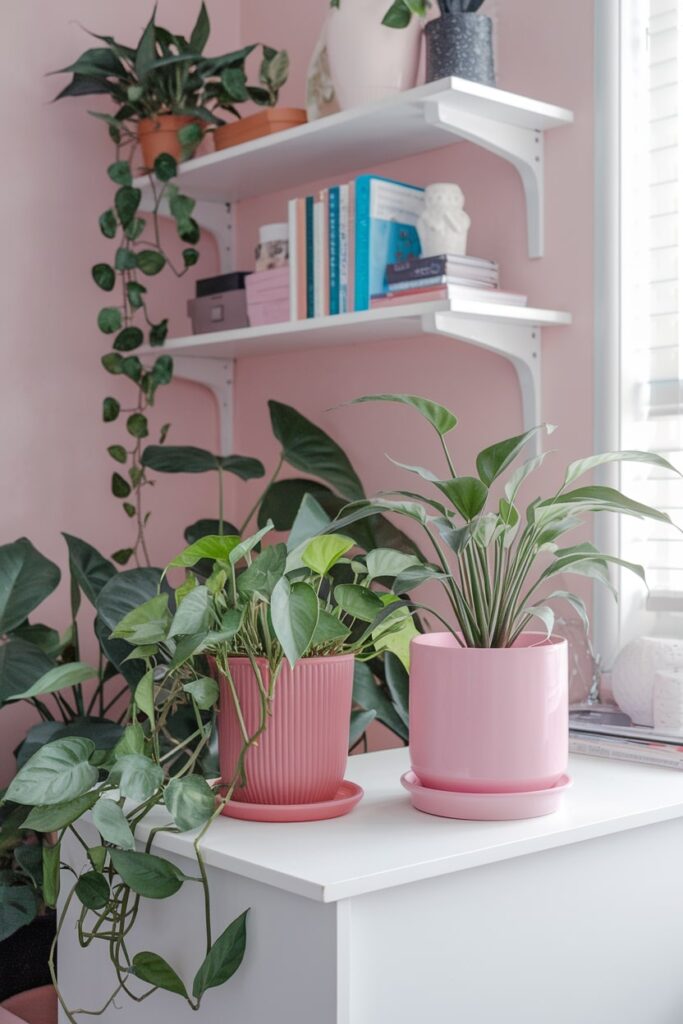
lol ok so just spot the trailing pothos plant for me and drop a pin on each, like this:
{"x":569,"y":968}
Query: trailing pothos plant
{"x":496,"y":561}
{"x":401,"y":12}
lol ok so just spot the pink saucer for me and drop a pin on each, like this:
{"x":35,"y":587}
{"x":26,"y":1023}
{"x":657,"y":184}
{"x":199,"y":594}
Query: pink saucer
{"x":344,"y":800}
{"x":484,"y":806}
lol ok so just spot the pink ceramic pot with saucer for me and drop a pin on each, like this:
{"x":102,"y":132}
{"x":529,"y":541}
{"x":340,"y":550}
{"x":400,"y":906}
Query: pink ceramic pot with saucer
{"x":300,"y":760}
{"x":489,"y":720}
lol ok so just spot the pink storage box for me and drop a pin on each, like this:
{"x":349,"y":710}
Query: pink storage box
{"x":268,"y":300}
{"x":262,"y":313}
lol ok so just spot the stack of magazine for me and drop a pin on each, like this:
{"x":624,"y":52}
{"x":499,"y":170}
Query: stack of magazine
{"x":598,"y":731}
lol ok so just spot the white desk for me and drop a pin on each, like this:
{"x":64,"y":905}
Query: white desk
{"x":389,"y":916}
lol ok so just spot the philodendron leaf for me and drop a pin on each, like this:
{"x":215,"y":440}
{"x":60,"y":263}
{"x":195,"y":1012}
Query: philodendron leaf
{"x":190,"y":801}
{"x":491,"y":462}
{"x":89,"y":568}
{"x":294,"y":611}
{"x":283,"y":500}
{"x":146,"y":874}
{"x":51,"y":819}
{"x":262,"y":575}
{"x":467,"y":495}
{"x":193,"y":614}
{"x":323,"y":552}
{"x":61,"y":677}
{"x":371,"y":697}
{"x":246,"y":546}
{"x":144,"y":695}
{"x":26,"y":579}
{"x":360,"y":720}
{"x":358,"y":602}
{"x":203,"y":690}
{"x":111,"y":823}
{"x":437,"y":415}
{"x":224,"y":957}
{"x":58,"y":772}
{"x":186,"y":459}
{"x":152,"y":968}
{"x":398,"y":683}
{"x":385,"y":562}
{"x":137,"y":777}
{"x":309,"y":449}
{"x":146,"y":624}
{"x":329,"y":630}
{"x":92,"y":890}
{"x":576,"y":469}
{"x":310,"y":520}
{"x":218,"y":549}
{"x":18,"y":907}
{"x":21,"y":665}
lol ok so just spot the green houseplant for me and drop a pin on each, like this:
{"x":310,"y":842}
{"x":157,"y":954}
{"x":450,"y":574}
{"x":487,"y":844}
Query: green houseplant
{"x":497,"y":565}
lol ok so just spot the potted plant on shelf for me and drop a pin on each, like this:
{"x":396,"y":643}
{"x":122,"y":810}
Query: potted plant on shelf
{"x":282,"y":628}
{"x":488,"y":697}
{"x":230,"y":88}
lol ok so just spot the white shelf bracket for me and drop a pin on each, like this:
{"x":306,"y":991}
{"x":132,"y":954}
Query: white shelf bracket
{"x":215,"y":217}
{"x":218,"y":375}
{"x":522,"y":147}
{"x":519,"y":343}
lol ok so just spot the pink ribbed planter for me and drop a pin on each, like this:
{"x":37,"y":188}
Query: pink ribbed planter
{"x":488,"y":720}
{"x":301,"y":757}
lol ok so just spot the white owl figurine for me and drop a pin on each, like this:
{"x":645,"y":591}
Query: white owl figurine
{"x":443,"y":224}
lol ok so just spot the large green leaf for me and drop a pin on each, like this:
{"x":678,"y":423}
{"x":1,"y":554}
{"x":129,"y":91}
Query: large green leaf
{"x":146,"y":624}
{"x":371,"y":697}
{"x":146,"y":874}
{"x":58,"y":772}
{"x":310,"y":520}
{"x":282,"y":501}
{"x":117,"y":598}
{"x":247,"y":545}
{"x":203,"y":690}
{"x":21,"y":665}
{"x":261,"y":576}
{"x":358,"y":602}
{"x":90,"y":569}
{"x":492,"y":461}
{"x":26,"y":579}
{"x":186,"y":459}
{"x":385,"y":562}
{"x":467,"y":495}
{"x":104,"y":733}
{"x":18,"y":907}
{"x":323,"y":552}
{"x":224,"y":957}
{"x":607,"y":499}
{"x":92,"y":890}
{"x":193,"y":614}
{"x":437,"y":415}
{"x":136,"y":776}
{"x":190,"y":801}
{"x":152,"y":968}
{"x":51,"y":819}
{"x":61,"y":677}
{"x":309,"y":449}
{"x":576,"y":469}
{"x":294,"y":611}
{"x":111,"y":823}
{"x":218,"y":549}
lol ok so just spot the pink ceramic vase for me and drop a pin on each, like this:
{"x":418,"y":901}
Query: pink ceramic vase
{"x":488,"y":720}
{"x":301,"y":757}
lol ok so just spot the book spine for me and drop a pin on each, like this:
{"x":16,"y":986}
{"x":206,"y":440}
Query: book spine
{"x":351,"y":267}
{"x":301,"y":258}
{"x":325,"y":252}
{"x":318,"y":276}
{"x":310,"y":281}
{"x":333,"y":227}
{"x":434,"y":267}
{"x":626,"y":751}
{"x":344,"y":249}
{"x":293,"y":259}
{"x":425,"y":282}
{"x":363,"y":255}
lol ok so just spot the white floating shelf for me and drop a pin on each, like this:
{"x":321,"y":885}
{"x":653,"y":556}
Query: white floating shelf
{"x":422,"y":119}
{"x":510,"y":331}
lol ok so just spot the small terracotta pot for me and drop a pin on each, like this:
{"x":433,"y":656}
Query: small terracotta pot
{"x":159,"y":135}
{"x":301,"y":757}
{"x":267,"y":122}
{"x":488,"y":720}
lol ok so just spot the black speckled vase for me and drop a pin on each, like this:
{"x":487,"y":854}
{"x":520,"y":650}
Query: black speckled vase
{"x":460,"y":44}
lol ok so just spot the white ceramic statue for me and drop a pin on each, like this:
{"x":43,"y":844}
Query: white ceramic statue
{"x":444,"y":224}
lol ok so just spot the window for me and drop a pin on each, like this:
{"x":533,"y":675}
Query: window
{"x":639,"y":393}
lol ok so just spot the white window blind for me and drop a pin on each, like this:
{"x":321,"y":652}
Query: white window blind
{"x":652,"y":370}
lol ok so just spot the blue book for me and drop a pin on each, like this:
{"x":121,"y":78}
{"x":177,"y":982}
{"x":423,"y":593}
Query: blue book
{"x":387,"y":213}
{"x":310,"y":280}
{"x":333,"y":235}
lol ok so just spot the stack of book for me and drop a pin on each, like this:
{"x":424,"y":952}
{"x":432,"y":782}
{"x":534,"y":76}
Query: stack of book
{"x":341,"y":241}
{"x":433,"y":278}
{"x":590,"y":733}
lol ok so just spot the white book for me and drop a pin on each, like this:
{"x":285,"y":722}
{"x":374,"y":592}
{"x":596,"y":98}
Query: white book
{"x":318,"y":259}
{"x":293,"y":261}
{"x":344,"y":306}
{"x":627,"y":750}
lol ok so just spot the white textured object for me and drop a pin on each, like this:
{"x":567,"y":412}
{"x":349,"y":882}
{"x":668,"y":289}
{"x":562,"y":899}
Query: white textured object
{"x":668,"y":702}
{"x":443,"y":225}
{"x":633,"y":675}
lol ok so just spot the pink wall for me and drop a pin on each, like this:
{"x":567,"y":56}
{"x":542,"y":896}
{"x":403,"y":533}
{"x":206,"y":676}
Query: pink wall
{"x":52,"y":459}
{"x":53,"y":463}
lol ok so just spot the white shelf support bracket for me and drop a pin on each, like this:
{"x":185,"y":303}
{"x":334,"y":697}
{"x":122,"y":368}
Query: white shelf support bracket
{"x":522,"y":147}
{"x":519,"y":343}
{"x":216,"y":218}
{"x":218,"y":375}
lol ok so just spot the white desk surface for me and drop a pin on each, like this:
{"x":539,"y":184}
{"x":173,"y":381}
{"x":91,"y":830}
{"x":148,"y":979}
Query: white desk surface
{"x":385,"y":842}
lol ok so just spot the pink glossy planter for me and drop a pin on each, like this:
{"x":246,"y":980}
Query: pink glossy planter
{"x":301,"y":757}
{"x":488,"y":720}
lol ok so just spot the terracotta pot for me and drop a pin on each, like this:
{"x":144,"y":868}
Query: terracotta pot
{"x":368,"y":60}
{"x":301,"y":757}
{"x":159,"y":135}
{"x":267,"y":122}
{"x":489,"y":720}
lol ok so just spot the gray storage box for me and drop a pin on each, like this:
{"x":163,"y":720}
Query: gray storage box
{"x":224,"y":311}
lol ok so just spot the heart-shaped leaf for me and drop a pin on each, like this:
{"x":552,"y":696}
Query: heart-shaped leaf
{"x":294,"y":611}
{"x":190,"y":801}
{"x":309,"y":449}
{"x":111,"y":823}
{"x":146,"y":874}
{"x":26,"y":579}
{"x":224,"y":957}
{"x":58,"y":772}
{"x":152,"y":968}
